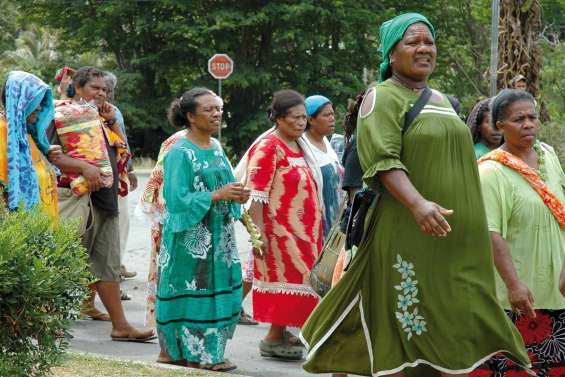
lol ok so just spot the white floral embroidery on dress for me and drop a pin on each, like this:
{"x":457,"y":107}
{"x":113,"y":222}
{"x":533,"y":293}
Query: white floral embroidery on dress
{"x":228,"y":246}
{"x":164,"y":256}
{"x":190,"y":286}
{"x":412,"y":322}
{"x":197,"y":240}
{"x":196,"y":346}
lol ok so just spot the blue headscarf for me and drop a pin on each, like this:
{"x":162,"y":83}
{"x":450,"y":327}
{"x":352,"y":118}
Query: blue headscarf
{"x":24,"y":93}
{"x":392,"y":31}
{"x":315,"y":103}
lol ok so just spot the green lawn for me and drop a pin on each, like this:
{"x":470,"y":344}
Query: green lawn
{"x":79,"y":365}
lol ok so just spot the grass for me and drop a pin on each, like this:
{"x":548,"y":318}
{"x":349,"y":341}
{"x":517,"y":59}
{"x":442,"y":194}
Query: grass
{"x":80,"y":365}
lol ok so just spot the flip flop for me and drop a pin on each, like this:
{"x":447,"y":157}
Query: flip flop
{"x":280,"y":350}
{"x":180,"y":363}
{"x":95,"y":315}
{"x":224,"y":366}
{"x":134,"y":336}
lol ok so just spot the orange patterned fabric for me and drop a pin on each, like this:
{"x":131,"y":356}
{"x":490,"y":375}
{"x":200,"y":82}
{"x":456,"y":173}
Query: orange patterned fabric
{"x":152,"y":205}
{"x":549,"y":199}
{"x":47,"y":180}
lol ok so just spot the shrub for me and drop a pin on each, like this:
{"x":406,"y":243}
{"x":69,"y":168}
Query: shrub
{"x":43,"y":278}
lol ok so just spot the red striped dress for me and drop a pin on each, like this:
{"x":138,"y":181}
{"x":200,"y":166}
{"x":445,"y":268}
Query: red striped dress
{"x":292,"y":218}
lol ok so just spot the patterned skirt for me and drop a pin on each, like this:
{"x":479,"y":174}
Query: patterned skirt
{"x":544,"y":337}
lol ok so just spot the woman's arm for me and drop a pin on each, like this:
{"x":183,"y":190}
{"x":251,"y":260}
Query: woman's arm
{"x":519,"y":295}
{"x":429,"y":215}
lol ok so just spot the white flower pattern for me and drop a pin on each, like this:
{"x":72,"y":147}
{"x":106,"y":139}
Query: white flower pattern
{"x":412,"y":322}
{"x":197,"y":241}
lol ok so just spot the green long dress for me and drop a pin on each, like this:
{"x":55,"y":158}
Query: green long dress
{"x":409,"y":299}
{"x":199,"y":291}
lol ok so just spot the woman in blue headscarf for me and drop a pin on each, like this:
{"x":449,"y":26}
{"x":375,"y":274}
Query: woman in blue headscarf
{"x":26,"y":177}
{"x":321,"y":123}
{"x":419,"y":297}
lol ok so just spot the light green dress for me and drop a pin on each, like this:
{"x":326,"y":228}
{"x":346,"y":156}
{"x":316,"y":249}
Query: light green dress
{"x":409,"y":299}
{"x":199,"y":290}
{"x":534,"y":237}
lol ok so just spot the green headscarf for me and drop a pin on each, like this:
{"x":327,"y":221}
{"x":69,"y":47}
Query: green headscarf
{"x":392,"y":31}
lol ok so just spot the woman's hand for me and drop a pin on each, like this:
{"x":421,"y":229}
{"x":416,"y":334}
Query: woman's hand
{"x":430,"y":217}
{"x":232,"y":192}
{"x":521,"y":299}
{"x":562,"y":280}
{"x":54,"y":153}
{"x":107,"y":112}
{"x":92,"y":175}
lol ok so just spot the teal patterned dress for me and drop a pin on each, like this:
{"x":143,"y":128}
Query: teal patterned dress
{"x":199,"y":291}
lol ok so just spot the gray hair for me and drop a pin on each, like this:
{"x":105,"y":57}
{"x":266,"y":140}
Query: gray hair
{"x":111,"y":82}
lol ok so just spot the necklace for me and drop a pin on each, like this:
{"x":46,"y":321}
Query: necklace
{"x":405,"y":84}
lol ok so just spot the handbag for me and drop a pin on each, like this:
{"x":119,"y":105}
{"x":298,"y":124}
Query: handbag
{"x":322,"y":272}
{"x":366,"y":197}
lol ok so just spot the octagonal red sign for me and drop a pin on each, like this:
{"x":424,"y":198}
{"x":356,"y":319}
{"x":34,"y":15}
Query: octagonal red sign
{"x":220,"y":66}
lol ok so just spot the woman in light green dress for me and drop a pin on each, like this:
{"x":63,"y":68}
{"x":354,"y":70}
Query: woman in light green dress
{"x":199,"y":290}
{"x":418,"y":299}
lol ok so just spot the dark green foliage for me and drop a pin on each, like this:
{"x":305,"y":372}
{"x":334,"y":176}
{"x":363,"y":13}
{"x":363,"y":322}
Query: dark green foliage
{"x":44,"y":277}
{"x":160,"y":49}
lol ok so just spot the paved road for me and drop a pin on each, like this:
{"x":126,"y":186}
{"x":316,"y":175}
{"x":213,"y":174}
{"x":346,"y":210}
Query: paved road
{"x":94,"y":336}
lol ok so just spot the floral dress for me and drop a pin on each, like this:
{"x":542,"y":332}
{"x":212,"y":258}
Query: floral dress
{"x":199,"y":284}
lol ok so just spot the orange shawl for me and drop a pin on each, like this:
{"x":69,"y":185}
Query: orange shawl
{"x":549,"y":199}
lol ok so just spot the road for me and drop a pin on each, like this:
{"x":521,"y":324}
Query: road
{"x":94,"y":336}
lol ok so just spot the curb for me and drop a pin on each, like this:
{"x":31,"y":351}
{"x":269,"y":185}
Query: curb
{"x":189,"y":371}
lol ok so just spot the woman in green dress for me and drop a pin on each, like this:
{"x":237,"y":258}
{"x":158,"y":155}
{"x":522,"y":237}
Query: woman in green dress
{"x":199,"y":290}
{"x":418,"y":298}
{"x":522,"y":182}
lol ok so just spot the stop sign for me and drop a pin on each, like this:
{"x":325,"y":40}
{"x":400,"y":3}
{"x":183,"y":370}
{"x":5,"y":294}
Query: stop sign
{"x":220,"y":66}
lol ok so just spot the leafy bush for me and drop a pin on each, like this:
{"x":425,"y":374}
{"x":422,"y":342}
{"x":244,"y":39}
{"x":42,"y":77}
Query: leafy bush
{"x":43,"y":278}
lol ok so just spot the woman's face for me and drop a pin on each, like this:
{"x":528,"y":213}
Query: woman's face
{"x":32,"y":118}
{"x":293,"y":124}
{"x":414,"y":56}
{"x":324,"y":122}
{"x":492,"y":136}
{"x":208,"y":114}
{"x":93,"y":90}
{"x":520,"y":125}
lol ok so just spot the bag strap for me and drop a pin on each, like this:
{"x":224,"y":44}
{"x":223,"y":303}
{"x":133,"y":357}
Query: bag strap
{"x":416,"y":109}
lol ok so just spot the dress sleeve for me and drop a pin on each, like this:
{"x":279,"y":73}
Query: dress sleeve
{"x":497,"y":196}
{"x":261,"y":169}
{"x":379,"y":134}
{"x":185,"y":206}
{"x":353,"y":176}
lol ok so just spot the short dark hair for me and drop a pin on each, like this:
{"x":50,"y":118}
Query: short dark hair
{"x":85,"y":74}
{"x":283,"y":100}
{"x":503,"y":100}
{"x":187,"y":103}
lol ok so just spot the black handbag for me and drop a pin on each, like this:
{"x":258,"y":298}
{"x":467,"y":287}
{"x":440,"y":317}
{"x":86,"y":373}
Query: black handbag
{"x":365,"y":198}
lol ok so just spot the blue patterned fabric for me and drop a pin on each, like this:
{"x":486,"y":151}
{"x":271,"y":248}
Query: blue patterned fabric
{"x":24,"y":93}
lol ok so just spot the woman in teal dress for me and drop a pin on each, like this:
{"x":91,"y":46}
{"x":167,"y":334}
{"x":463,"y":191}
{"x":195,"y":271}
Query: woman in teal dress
{"x":199,"y":292}
{"x":485,"y":137}
{"x":418,"y":299}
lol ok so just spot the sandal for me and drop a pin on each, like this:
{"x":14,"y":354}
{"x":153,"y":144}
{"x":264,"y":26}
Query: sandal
{"x":135,"y":335}
{"x":95,"y":314}
{"x":224,"y":366}
{"x":292,"y":339}
{"x":245,"y":319}
{"x":281,"y":349}
{"x":180,"y":363}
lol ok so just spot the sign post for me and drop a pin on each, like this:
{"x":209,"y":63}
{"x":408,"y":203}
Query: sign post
{"x":220,"y":66}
